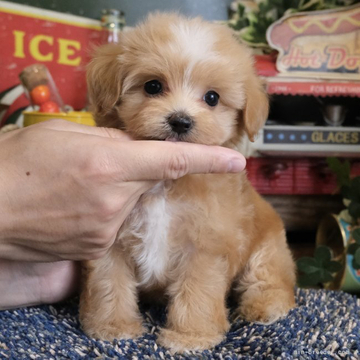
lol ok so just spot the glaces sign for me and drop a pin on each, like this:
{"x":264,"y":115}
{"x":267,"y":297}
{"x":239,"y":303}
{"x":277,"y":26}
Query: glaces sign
{"x":323,"y":44}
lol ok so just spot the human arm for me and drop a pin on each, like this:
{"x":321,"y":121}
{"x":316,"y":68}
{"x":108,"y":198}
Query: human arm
{"x":65,"y":190}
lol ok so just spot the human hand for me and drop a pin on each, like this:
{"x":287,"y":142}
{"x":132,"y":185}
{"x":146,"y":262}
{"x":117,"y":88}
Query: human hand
{"x":65,"y":188}
{"x":26,"y":283}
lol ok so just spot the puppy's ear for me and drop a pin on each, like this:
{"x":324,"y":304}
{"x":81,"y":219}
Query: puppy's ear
{"x":256,"y":107}
{"x":104,"y":82}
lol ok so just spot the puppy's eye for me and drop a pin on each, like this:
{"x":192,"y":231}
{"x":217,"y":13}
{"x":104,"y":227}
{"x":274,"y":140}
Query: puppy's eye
{"x":153,"y":87}
{"x":211,"y":98}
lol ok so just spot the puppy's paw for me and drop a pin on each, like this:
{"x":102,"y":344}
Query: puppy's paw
{"x":111,"y":332}
{"x":266,"y":306}
{"x":179,"y":342}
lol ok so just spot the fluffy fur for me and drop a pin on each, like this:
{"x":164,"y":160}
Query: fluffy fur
{"x":193,"y":239}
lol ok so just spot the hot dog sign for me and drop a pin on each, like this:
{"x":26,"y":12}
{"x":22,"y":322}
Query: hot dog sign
{"x":323,"y":44}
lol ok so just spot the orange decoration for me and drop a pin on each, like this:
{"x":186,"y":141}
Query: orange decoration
{"x":40,"y":94}
{"x":49,"y":107}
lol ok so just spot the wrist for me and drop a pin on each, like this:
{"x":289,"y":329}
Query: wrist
{"x":7,"y":192}
{"x":5,"y":222}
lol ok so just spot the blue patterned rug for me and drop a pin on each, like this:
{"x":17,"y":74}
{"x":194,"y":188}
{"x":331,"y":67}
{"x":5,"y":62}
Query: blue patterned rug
{"x":325,"y":325}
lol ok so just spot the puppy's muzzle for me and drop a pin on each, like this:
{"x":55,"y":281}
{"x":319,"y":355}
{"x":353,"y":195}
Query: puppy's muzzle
{"x":180,"y":123}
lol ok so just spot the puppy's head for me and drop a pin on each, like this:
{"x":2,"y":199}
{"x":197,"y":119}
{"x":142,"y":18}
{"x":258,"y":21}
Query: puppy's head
{"x":173,"y":78}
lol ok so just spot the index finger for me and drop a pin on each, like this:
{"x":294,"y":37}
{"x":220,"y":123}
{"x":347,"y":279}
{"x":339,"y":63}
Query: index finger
{"x":159,"y":160}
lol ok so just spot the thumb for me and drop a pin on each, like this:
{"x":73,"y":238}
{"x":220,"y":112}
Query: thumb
{"x":159,"y":160}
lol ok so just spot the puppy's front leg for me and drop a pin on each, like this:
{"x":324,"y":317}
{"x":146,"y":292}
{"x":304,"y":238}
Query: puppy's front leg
{"x":108,"y":303}
{"x":197,"y":317}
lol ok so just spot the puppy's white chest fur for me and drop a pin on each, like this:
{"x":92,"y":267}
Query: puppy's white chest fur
{"x":150,"y":224}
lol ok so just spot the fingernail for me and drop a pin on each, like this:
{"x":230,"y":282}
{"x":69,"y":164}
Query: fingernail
{"x":236,"y":165}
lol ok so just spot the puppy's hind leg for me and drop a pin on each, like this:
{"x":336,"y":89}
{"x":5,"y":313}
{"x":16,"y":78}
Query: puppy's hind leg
{"x":267,"y":283}
{"x":108,"y":302}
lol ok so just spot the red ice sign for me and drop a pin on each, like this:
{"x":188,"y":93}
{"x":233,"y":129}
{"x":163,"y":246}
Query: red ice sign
{"x":62,"y":42}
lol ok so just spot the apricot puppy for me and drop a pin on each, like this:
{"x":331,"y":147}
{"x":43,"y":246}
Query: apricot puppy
{"x":193,"y":239}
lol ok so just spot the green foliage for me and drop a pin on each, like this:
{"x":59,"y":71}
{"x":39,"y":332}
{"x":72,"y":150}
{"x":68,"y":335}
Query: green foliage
{"x":354,"y":249}
{"x":356,"y":260}
{"x":254,"y":18}
{"x":319,"y":269}
{"x":341,"y":170}
{"x":350,"y":188}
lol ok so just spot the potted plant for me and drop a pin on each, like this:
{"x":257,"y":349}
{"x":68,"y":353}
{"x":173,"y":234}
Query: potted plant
{"x":336,"y":261}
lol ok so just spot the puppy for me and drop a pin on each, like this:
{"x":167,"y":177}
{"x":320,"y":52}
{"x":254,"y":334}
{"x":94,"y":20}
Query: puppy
{"x":193,"y":239}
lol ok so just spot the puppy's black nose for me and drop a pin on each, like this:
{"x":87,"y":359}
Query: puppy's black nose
{"x":180,"y":123}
